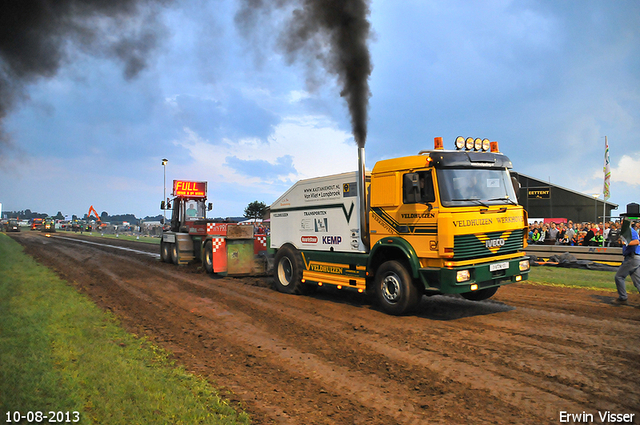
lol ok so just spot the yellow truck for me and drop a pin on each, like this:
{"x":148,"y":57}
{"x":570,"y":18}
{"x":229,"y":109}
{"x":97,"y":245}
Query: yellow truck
{"x":439,"y":222}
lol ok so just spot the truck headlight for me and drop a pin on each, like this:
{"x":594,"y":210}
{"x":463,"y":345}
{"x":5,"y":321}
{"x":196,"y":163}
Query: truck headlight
{"x":524,"y":265}
{"x":462,"y":276}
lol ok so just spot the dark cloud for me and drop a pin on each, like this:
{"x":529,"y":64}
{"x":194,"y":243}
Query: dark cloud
{"x":334,"y":33}
{"x":37,"y":37}
{"x":235,"y":117}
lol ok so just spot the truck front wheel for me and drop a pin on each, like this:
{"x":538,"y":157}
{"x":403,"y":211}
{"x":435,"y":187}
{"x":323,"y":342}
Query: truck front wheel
{"x":479,"y":295}
{"x":395,"y":290}
{"x":288,"y":271}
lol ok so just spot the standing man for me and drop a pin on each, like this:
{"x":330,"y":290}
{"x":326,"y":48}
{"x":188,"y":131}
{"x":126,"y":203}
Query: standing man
{"x":570,"y":233}
{"x":630,"y":266}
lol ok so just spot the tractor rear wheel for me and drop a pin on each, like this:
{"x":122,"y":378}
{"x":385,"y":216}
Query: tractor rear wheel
{"x":165,"y":252}
{"x":174,"y":253}
{"x":207,"y":257}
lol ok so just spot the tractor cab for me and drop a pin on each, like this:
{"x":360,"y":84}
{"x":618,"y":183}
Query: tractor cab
{"x":189,"y":206}
{"x":185,"y":212}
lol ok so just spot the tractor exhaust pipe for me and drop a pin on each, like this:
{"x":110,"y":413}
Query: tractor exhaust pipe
{"x":362,"y":193}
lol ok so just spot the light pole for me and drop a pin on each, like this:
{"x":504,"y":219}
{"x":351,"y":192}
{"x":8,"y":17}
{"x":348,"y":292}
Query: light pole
{"x":164,"y":194}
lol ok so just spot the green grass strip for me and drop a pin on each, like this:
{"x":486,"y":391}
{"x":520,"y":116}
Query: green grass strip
{"x":60,"y":352}
{"x":576,"y":278}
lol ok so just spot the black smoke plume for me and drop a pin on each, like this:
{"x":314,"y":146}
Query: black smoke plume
{"x":37,"y":37}
{"x":332,"y":32}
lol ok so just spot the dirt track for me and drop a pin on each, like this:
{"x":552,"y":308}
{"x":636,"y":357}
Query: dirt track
{"x":331,"y":358}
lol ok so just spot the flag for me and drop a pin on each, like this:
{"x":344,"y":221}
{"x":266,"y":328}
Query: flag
{"x":607,"y":170}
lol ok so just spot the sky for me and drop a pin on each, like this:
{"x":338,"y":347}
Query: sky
{"x":225,"y":104}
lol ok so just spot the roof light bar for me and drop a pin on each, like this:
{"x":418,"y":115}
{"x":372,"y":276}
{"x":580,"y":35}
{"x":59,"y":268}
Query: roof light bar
{"x":471,"y":144}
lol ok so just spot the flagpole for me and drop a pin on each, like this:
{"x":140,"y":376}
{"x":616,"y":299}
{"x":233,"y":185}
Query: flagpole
{"x":606,"y":193}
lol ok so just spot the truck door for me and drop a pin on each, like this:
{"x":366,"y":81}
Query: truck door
{"x":416,"y":215}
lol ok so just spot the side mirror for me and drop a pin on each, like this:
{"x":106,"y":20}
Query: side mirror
{"x":210,"y":206}
{"x":516,"y":186}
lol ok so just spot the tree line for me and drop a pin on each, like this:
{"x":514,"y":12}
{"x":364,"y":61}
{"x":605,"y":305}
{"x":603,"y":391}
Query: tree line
{"x":104,"y":216}
{"x":255,"y":210}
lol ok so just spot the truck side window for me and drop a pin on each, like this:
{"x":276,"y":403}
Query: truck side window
{"x":418,"y":188}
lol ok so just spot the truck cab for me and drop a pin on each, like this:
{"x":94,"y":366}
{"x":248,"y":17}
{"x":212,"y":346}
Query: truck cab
{"x":451,"y":218}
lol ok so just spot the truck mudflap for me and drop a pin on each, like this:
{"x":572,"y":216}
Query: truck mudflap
{"x":453,"y":280}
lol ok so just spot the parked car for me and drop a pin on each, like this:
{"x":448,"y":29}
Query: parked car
{"x":12,"y":226}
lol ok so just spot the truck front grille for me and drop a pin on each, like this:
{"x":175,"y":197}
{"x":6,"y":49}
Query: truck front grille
{"x":467,"y":247}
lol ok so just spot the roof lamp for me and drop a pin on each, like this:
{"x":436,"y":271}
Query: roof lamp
{"x":477,"y":144}
{"x":486,"y":144}
{"x":469,"y":143}
{"x":459,"y":142}
{"x":437,"y":143}
{"x":494,"y":147}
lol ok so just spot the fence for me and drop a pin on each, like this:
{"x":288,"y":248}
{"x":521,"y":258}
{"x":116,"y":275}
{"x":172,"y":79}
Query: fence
{"x":598,"y":254}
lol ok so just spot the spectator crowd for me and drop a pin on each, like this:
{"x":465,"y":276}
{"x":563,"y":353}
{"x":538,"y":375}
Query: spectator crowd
{"x":580,"y":234}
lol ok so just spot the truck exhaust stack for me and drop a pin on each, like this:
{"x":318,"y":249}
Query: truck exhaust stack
{"x":362,"y":192}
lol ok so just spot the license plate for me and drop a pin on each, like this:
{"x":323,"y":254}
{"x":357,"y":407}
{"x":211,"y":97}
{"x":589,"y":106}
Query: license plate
{"x":498,"y":266}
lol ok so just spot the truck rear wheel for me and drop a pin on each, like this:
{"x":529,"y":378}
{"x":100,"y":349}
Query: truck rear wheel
{"x":288,"y":271}
{"x":208,"y":257}
{"x":481,"y":294}
{"x":394,"y":289}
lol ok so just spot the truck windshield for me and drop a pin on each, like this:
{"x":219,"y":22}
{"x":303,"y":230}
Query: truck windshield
{"x":194,"y":210}
{"x":472,"y":186}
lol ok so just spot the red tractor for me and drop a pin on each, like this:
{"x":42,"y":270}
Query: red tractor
{"x":222,"y":248}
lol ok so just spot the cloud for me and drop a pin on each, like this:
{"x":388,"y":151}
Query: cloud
{"x":261,"y":168}
{"x":298,"y":148}
{"x":627,"y":171}
{"x":235,"y":116}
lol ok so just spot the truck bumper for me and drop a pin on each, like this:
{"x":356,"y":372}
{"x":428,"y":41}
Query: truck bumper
{"x":447,"y":280}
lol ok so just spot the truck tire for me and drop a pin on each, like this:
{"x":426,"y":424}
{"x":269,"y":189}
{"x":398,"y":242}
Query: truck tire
{"x":395,"y":291}
{"x":165,"y":252}
{"x":207,"y":257}
{"x":287,"y":271}
{"x":174,"y":253}
{"x":481,"y":294}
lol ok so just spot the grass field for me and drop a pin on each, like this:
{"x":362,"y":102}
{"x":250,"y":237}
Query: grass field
{"x":576,"y":278}
{"x":61,"y":353}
